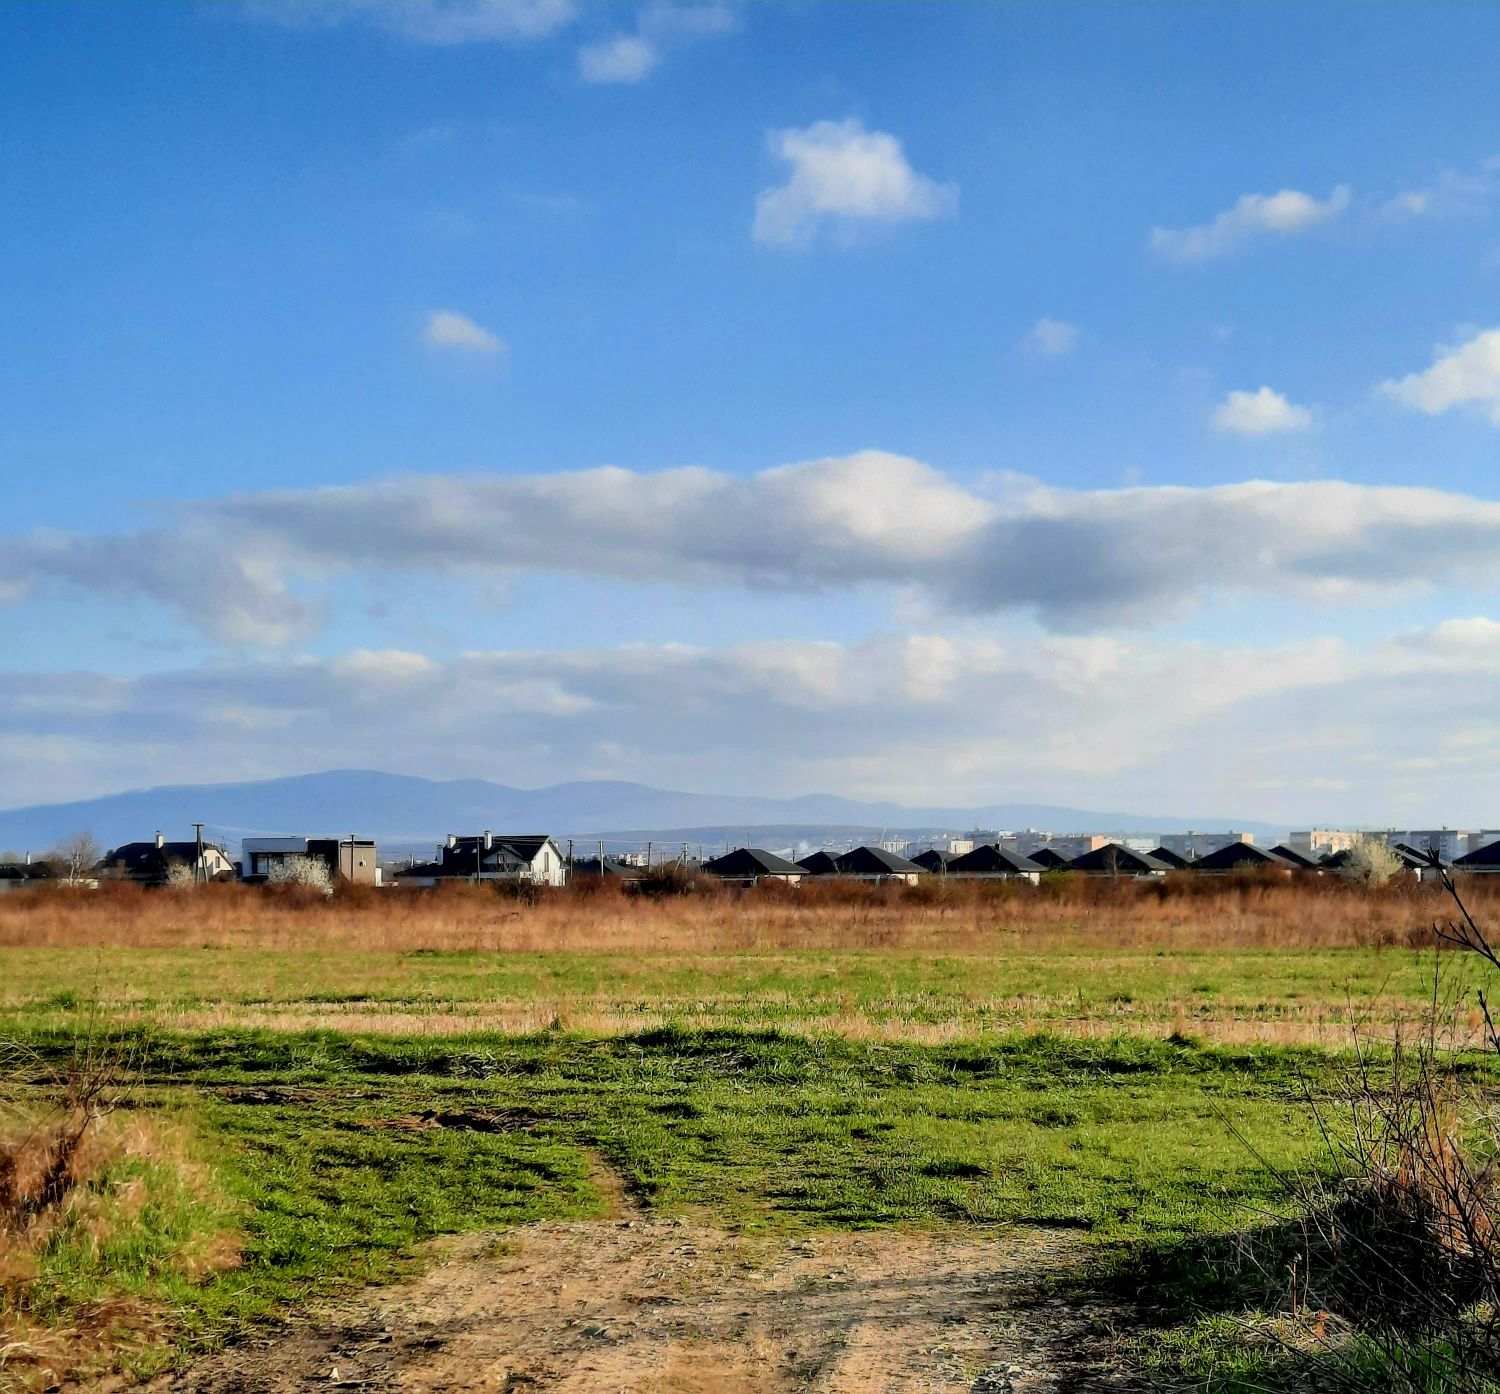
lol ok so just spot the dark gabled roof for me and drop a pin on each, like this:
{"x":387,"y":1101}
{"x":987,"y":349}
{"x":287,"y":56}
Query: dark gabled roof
{"x":934,"y":859}
{"x":1488,"y":855}
{"x":990,"y":860}
{"x":611,"y":866}
{"x":1113,"y":859}
{"x":1236,"y":854}
{"x":751,"y":861}
{"x":1171,"y":858}
{"x":874,"y":861}
{"x":1295,"y":857}
{"x":1047,"y":858}
{"x":522,"y":845}
{"x":426,"y":870}
{"x":1415,"y":859}
{"x":144,"y":855}
{"x":819,"y":863}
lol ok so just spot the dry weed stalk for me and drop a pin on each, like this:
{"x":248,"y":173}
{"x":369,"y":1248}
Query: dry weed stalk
{"x":1396,"y":1277}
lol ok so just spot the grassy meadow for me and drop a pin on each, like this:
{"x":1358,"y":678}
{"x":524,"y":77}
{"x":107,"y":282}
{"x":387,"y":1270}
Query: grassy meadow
{"x":1135,"y":1065}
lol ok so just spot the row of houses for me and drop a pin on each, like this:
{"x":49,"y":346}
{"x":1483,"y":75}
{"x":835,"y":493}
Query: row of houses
{"x":747,"y":865}
{"x":537,"y":859}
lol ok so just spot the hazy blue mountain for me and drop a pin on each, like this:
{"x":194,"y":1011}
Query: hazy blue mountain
{"x":403,"y":809}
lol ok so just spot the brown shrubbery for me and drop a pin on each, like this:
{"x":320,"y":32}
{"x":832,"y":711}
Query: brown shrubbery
{"x":676,"y":909}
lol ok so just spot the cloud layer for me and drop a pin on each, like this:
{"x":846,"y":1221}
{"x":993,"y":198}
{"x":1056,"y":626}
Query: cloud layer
{"x":247,"y":568}
{"x":1398,"y":725}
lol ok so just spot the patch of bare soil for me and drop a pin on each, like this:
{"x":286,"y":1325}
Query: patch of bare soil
{"x":637,"y":1305}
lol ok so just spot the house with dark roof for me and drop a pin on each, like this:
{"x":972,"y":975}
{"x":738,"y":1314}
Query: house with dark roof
{"x":994,"y":862}
{"x":1113,"y":859}
{"x":1048,"y":858}
{"x":934,"y":860}
{"x":530,"y":858}
{"x":1243,"y":856}
{"x":1175,"y":860}
{"x":877,"y":864}
{"x":1482,"y":861}
{"x":154,"y":863}
{"x":27,"y":875}
{"x":746,"y":865}
{"x":611,"y":868}
{"x":819,"y":863}
{"x":1302,"y":863}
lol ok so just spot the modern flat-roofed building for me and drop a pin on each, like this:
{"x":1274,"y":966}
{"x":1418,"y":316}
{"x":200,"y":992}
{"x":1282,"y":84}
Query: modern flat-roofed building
{"x":354,"y":859}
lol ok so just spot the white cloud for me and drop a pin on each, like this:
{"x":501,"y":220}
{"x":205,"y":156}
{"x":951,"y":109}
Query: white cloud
{"x":436,"y":22}
{"x":624,"y":58}
{"x":246,"y":568}
{"x":632,"y":57}
{"x":1450,"y":194}
{"x":1280,"y":214}
{"x":447,"y":329}
{"x":1468,"y":375}
{"x":842,"y":175}
{"x":1260,"y":413}
{"x":1052,"y":338}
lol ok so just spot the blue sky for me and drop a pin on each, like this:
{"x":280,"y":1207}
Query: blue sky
{"x":320,"y":320}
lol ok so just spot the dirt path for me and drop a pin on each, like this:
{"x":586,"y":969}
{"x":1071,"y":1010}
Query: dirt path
{"x":637,"y":1305}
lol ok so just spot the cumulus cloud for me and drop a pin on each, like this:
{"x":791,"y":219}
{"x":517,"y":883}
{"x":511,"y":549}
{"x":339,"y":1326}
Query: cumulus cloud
{"x":436,"y":22}
{"x":1052,"y":338}
{"x":842,"y":175}
{"x":633,"y":56}
{"x":1281,"y":214}
{"x":1260,"y":413}
{"x":447,"y":329}
{"x":1466,"y":375}
{"x":242,"y":567}
{"x":927,"y":718}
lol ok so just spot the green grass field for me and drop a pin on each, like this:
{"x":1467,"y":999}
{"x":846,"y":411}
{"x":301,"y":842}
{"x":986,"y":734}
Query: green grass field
{"x":1285,"y":996}
{"x":765,"y":1090}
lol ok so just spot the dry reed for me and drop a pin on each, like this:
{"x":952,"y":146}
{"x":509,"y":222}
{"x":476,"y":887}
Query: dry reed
{"x":1179,"y":912}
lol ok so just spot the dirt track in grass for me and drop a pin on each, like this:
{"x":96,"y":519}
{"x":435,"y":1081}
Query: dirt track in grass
{"x":639,"y":1305}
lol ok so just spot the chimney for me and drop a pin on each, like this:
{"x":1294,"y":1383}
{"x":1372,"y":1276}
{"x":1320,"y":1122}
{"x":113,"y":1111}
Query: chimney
{"x":489,"y":839}
{"x":452,"y":841}
{"x":160,"y":840}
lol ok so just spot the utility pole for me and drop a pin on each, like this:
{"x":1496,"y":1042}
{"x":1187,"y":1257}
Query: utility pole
{"x":200,"y":872}
{"x":648,"y":856}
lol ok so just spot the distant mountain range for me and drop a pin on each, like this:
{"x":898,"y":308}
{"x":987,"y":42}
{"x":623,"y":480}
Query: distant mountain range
{"x":404,"y":812}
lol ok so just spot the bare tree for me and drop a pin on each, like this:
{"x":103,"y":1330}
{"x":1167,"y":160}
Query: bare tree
{"x":77,"y":855}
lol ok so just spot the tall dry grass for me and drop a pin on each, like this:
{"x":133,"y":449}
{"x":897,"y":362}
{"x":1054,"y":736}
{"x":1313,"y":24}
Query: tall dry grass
{"x":1181,"y":911}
